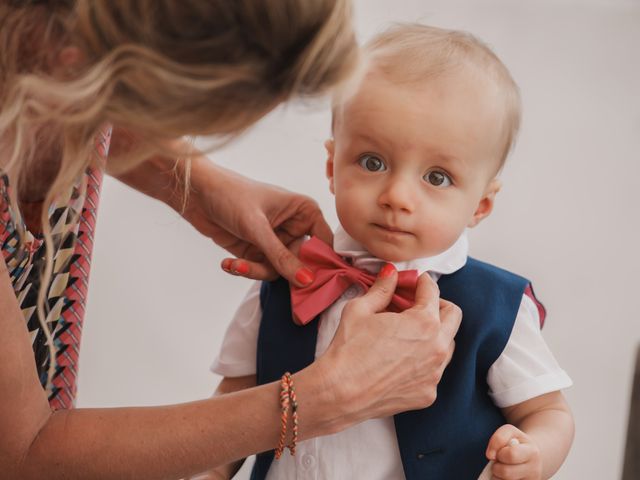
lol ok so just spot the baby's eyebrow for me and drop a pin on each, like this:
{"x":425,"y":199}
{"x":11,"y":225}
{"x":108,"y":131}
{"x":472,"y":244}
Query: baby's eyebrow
{"x":454,"y":165}
{"x":445,"y":158}
{"x":377,"y":140}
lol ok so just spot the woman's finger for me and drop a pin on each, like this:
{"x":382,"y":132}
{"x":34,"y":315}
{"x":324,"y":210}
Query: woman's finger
{"x":254,"y":265}
{"x":379,"y":295}
{"x":276,"y":253}
{"x":427,"y":294}
{"x":322,"y":230}
{"x":249,"y":269}
{"x":450,"y":319}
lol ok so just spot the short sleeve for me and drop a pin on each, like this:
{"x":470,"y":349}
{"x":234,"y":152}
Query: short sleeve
{"x":237,"y":356}
{"x":526,"y":368}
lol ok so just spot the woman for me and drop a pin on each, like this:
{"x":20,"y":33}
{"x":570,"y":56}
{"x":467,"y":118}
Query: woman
{"x":76,"y":76}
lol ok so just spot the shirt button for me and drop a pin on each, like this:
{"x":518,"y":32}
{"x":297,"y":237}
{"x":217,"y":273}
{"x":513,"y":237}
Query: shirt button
{"x":308,"y":461}
{"x":351,"y":292}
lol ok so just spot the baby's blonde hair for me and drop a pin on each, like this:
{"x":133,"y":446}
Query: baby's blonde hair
{"x":412,"y":53}
{"x":161,"y":68}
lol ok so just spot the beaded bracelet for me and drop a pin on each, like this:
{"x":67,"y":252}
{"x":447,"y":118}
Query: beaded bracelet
{"x":294,"y":414}
{"x":287,"y":398}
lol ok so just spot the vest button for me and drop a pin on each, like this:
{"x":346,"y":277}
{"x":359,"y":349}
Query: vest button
{"x":420,"y":456}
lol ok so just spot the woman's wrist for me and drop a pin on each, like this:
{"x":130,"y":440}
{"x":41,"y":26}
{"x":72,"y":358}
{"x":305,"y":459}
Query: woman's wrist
{"x":325,"y":405}
{"x":187,"y":178}
{"x":166,"y":176}
{"x":159,"y":177}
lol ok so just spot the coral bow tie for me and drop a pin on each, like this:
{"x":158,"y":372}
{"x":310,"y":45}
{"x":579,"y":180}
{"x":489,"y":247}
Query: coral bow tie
{"x":333,"y":275}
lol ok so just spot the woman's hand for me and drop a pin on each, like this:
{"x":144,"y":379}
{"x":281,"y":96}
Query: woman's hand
{"x":382,"y":363}
{"x":256,"y":222}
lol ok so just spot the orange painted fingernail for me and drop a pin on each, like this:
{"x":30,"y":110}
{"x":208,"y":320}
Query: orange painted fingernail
{"x":387,"y":270}
{"x":226,"y":264}
{"x":242,"y":268}
{"x":304,"y":276}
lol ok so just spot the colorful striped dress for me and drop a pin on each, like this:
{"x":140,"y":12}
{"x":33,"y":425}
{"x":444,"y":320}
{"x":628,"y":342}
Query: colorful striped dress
{"x":72,"y":221}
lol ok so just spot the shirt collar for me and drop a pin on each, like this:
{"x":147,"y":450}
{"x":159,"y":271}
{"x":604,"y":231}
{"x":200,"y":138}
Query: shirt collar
{"x":452,"y":259}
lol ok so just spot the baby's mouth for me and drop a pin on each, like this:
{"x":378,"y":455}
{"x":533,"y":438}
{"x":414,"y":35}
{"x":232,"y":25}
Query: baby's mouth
{"x":391,"y":229}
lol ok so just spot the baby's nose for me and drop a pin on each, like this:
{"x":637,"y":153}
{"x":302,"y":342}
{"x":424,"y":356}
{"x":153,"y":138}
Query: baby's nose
{"x":398,"y":194}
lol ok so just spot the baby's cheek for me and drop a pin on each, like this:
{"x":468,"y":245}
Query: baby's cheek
{"x":346,"y":185}
{"x":440,"y":233}
{"x":347,"y":208}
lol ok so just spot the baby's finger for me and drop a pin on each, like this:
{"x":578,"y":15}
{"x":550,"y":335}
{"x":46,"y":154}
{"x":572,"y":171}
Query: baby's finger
{"x":500,"y":439}
{"x":516,"y":454}
{"x":510,"y":472}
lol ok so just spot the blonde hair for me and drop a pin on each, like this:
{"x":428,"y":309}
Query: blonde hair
{"x":160,"y":68}
{"x":412,"y":53}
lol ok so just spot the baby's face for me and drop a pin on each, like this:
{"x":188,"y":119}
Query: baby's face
{"x":412,"y":166}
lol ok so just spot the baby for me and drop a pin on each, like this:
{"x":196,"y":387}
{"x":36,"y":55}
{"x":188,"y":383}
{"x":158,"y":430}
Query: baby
{"x":413,"y":162}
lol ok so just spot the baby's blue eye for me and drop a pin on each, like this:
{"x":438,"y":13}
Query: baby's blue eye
{"x":372,"y":163}
{"x":437,"y":178}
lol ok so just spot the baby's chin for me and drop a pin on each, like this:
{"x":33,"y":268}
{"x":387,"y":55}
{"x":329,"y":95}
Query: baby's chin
{"x":397,"y":250}
{"x":397,"y":254}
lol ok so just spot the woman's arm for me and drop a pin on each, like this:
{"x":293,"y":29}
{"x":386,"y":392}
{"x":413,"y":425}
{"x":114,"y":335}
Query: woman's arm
{"x":228,"y":385}
{"x":254,"y":221}
{"x":154,"y":443}
{"x":378,"y":364}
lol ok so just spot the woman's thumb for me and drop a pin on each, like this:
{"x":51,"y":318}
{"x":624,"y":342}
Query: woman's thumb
{"x":379,"y":295}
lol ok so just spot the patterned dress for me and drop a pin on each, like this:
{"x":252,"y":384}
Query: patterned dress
{"x":72,"y":221}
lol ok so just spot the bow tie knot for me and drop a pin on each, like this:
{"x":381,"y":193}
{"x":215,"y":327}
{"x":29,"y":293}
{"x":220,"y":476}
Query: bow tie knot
{"x":334,"y":275}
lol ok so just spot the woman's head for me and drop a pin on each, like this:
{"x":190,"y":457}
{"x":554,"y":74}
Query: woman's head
{"x":211,"y":67}
{"x":168,"y":68}
{"x":160,"y":69}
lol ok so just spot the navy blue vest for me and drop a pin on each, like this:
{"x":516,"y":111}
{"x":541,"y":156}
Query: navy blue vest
{"x":447,"y":440}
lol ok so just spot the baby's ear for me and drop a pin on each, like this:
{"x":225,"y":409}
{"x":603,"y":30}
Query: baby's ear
{"x":485,"y":206}
{"x":330,"y":146}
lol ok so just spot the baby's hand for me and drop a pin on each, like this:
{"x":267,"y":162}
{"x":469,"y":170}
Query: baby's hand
{"x":515,"y":455}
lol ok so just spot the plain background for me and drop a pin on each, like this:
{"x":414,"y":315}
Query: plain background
{"x":566,"y":218}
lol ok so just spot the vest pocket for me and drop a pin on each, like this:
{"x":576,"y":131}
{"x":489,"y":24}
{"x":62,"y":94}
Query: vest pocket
{"x":433,"y":451}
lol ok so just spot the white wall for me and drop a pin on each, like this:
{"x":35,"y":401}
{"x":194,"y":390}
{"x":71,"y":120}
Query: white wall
{"x":567,"y":218}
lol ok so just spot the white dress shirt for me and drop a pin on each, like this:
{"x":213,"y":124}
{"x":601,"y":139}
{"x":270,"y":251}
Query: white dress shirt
{"x":525,"y":369}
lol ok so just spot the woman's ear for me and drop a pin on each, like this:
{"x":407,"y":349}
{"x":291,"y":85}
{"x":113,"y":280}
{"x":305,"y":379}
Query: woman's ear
{"x":330,"y":146}
{"x":485,"y":205}
{"x":70,"y":56}
{"x":67,"y":62}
